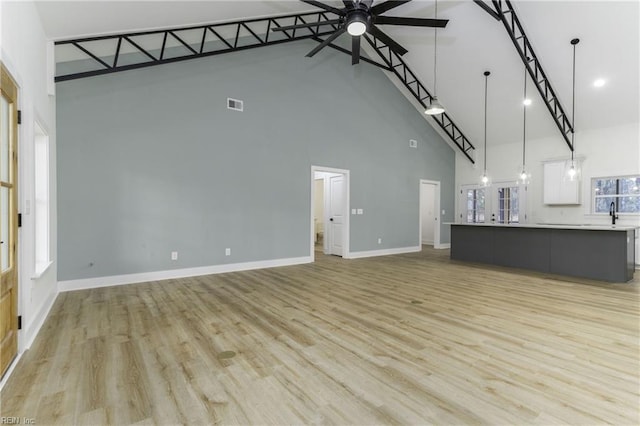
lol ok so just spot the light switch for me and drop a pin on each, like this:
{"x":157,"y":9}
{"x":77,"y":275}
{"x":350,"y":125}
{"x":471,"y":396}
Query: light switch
{"x":443,"y":212}
{"x":353,"y":211}
{"x":360,"y":211}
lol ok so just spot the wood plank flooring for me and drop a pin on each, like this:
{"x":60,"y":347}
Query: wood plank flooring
{"x":406,"y":339}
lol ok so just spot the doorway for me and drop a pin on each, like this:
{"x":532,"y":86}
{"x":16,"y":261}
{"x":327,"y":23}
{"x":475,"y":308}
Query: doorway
{"x":430,"y":213}
{"x":329,"y":211}
{"x":8,"y":219}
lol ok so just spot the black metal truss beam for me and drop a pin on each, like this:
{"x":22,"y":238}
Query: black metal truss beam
{"x":410,"y":81}
{"x":488,"y":9}
{"x":258,"y":33}
{"x":507,"y":15}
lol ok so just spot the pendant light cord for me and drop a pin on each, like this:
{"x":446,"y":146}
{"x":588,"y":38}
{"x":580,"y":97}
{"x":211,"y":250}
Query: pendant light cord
{"x":435,"y":55}
{"x":573,"y":100}
{"x":524,"y":121}
{"x":486,"y":81}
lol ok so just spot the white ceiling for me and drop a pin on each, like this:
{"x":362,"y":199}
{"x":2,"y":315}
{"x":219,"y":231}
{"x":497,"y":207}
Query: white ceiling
{"x":471,"y":43}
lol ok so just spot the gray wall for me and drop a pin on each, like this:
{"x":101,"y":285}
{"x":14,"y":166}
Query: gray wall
{"x":150,"y":161}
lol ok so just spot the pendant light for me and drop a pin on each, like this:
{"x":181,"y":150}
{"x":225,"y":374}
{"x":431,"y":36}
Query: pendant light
{"x":484,"y":179}
{"x":573,"y":171}
{"x":435,"y":107}
{"x":524,"y":176}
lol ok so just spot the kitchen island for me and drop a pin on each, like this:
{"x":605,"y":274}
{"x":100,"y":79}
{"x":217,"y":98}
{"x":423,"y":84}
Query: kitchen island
{"x":604,"y":252}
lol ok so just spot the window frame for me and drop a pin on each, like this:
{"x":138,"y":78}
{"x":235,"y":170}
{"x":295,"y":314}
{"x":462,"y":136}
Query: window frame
{"x":41,"y":204}
{"x":616,"y":196}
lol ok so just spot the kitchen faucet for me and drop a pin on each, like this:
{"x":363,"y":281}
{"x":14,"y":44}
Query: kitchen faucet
{"x":612,"y":212}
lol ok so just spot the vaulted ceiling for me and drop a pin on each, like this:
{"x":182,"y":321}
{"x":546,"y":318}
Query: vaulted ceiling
{"x":471,"y":43}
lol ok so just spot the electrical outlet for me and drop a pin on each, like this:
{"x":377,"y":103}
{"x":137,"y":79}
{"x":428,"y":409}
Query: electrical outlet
{"x":413,"y":143}
{"x":174,"y":255}
{"x":360,"y":211}
{"x":379,"y":240}
{"x":227,"y":252}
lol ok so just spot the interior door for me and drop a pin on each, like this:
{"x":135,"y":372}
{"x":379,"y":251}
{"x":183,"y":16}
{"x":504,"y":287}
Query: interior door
{"x":428,"y":213}
{"x":8,"y":220}
{"x":336,"y":214}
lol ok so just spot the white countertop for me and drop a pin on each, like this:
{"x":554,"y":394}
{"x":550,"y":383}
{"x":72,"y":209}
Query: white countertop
{"x":552,"y":226}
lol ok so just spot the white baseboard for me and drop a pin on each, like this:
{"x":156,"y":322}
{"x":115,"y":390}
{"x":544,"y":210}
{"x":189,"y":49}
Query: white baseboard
{"x":384,"y":252}
{"x":34,"y":326}
{"x":442,"y":246}
{"x":114,"y":280}
{"x":6,"y":376}
{"x":29,"y":334}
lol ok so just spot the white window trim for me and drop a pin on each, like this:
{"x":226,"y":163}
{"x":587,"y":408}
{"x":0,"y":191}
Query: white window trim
{"x":41,"y":142}
{"x":592,"y":196}
{"x":40,"y":269}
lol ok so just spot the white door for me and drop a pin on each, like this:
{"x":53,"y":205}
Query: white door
{"x":428,"y":213}
{"x":508,"y":203}
{"x":336,"y":214}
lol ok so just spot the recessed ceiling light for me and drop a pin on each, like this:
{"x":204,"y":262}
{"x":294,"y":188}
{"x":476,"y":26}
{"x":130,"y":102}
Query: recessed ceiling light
{"x":527,"y":102}
{"x":599,"y":82}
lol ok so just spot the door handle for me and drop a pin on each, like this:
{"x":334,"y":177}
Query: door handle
{"x":331,"y":220}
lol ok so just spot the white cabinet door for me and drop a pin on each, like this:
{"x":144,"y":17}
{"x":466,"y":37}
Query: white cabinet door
{"x":557,"y":188}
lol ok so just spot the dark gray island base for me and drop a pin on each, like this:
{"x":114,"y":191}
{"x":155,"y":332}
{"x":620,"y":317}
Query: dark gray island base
{"x":594,"y":252}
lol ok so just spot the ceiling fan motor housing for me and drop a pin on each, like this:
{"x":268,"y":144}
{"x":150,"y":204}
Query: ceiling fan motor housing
{"x":358,"y":22}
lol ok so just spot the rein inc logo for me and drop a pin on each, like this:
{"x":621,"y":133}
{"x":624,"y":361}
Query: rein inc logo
{"x":17,"y":421}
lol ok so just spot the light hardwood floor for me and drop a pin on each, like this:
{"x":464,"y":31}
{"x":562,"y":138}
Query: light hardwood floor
{"x":406,"y":339}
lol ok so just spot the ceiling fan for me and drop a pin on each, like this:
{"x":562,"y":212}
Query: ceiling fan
{"x":358,"y":17}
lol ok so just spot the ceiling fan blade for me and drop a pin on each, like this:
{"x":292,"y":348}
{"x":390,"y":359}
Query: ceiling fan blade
{"x":327,"y":41}
{"x":325,"y":7}
{"x":310,"y":24}
{"x":387,"y":5}
{"x":412,"y":22}
{"x":393,"y":45}
{"x":355,"y":50}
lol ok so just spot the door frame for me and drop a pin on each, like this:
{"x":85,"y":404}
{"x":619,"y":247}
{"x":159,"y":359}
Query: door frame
{"x":12,"y":91}
{"x":436,"y":226}
{"x":346,"y":209}
{"x":495,"y":199}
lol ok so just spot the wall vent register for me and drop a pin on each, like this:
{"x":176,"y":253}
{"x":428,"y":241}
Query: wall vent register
{"x":235,"y":104}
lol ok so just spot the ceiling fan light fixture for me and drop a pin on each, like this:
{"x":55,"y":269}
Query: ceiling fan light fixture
{"x":357,"y":18}
{"x":356,"y":28}
{"x":434,"y":107}
{"x":357,"y":23}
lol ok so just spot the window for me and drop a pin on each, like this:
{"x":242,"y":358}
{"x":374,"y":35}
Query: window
{"x":475,"y":205}
{"x":623,"y":191}
{"x":508,"y":205}
{"x":41,"y":200}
